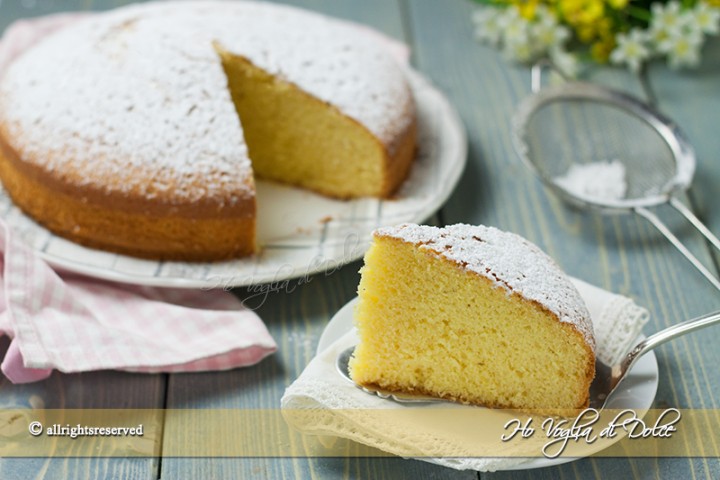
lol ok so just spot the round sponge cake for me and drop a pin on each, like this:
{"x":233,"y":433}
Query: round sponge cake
{"x":141,"y":130}
{"x":472,"y":314}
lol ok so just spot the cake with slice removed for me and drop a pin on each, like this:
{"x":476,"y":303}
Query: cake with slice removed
{"x":471,"y":314}
{"x":141,"y":130}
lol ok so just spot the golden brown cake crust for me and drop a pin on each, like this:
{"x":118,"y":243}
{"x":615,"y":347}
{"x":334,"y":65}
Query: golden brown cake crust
{"x":401,"y":159}
{"x":128,"y":224}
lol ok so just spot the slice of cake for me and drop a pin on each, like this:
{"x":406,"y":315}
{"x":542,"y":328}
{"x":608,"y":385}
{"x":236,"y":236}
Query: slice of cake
{"x":471,"y":314}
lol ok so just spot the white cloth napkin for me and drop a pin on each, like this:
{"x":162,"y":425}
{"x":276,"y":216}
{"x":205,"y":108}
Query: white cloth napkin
{"x":617,"y":320}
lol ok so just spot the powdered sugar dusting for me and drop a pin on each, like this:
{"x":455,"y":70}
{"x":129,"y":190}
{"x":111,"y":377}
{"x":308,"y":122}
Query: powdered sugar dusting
{"x":508,"y":260}
{"x":142,"y":89}
{"x":595,"y":181}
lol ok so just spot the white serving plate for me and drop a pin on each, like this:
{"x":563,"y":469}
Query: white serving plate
{"x":636,"y":392}
{"x":300,"y":233}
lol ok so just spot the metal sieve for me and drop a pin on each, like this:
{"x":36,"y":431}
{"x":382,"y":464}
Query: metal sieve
{"x":601,"y":149}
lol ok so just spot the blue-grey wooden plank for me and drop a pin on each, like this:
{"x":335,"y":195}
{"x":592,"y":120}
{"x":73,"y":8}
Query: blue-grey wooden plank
{"x":88,"y":390}
{"x":692,"y":100}
{"x":85,"y":390}
{"x":623,"y":254}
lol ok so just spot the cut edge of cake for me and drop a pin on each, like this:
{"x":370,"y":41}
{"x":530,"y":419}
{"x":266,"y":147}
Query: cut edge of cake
{"x":361,"y":165}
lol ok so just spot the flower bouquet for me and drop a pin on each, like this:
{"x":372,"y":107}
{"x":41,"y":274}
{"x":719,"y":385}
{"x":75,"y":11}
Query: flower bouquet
{"x":622,"y":32}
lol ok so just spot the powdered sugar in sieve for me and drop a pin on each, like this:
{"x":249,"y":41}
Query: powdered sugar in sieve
{"x":598,"y":180}
{"x":601,"y":149}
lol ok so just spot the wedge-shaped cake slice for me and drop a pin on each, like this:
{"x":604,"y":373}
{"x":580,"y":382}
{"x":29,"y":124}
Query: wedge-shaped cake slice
{"x":471,"y":314}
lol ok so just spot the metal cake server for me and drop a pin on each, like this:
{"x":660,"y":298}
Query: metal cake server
{"x":607,"y":378}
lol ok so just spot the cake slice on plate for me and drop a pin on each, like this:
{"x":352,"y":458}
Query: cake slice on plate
{"x":471,"y":314}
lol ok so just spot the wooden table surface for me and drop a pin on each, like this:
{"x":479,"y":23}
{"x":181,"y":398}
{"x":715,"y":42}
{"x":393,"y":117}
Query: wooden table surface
{"x":620,"y":253}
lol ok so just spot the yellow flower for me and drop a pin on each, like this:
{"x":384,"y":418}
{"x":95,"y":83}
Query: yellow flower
{"x":605,"y":27}
{"x":619,"y":4}
{"x":586,"y":17}
{"x":600,"y":50}
{"x":526,"y":8}
{"x":593,"y":11}
{"x":570,"y":5}
{"x":586,"y":33}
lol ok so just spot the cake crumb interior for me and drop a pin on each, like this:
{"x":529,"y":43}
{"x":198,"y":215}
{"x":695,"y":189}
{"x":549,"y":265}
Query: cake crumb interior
{"x":428,"y":326}
{"x":295,"y":138}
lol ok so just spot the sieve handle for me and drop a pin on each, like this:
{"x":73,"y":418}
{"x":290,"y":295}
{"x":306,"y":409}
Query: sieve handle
{"x":537,"y":70}
{"x":647,"y":88}
{"x":657,"y":223}
{"x":687,"y":213}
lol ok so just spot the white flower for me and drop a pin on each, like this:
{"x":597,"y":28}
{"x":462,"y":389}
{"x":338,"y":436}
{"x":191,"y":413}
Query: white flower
{"x":566,"y":62}
{"x":706,"y":18}
{"x":680,"y":34}
{"x":507,"y":28}
{"x":676,"y":31}
{"x":683,"y":50}
{"x":516,"y":36}
{"x":519,"y":51}
{"x":487,"y":28}
{"x":655,"y":38}
{"x":544,"y":15}
{"x":514,"y":27}
{"x":681,"y":24}
{"x":631,"y":49}
{"x":547,"y":35}
{"x":667,"y":18}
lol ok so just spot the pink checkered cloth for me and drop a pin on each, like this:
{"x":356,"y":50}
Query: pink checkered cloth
{"x":70,"y":323}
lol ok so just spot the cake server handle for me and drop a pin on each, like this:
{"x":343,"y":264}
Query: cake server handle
{"x":607,"y":378}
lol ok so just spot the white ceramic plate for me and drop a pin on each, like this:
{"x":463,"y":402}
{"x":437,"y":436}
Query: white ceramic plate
{"x":637,"y":391}
{"x":301,"y":233}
